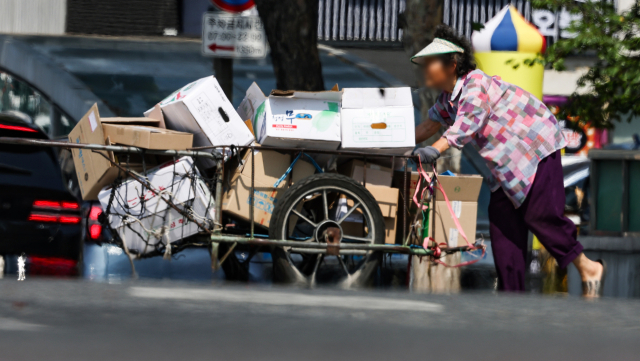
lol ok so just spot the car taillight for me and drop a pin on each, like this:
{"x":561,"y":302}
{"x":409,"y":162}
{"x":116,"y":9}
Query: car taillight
{"x":47,"y":204}
{"x":43,"y":217}
{"x":69,"y":219}
{"x":70,"y":205}
{"x":54,"y":212}
{"x":94,"y":231}
{"x":55,"y":205}
{"x":17,"y":128}
{"x":94,"y":213}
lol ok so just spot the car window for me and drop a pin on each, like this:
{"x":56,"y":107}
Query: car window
{"x":29,"y":167}
{"x":16,"y":95}
{"x":66,"y":125}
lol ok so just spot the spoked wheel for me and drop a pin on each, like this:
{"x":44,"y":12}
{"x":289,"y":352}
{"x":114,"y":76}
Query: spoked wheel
{"x":326,"y":208}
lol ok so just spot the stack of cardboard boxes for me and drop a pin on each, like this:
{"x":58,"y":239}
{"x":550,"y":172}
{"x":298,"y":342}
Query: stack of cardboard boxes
{"x":198,"y":114}
{"x":95,"y":169}
{"x":378,"y":120}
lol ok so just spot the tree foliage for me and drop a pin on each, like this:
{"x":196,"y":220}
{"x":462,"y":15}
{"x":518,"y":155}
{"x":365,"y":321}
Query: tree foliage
{"x":610,"y":90}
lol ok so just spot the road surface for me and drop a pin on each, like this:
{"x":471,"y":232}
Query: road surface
{"x":169,"y":320}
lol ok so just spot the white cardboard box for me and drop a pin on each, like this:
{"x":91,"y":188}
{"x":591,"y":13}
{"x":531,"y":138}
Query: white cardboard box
{"x":202,"y":108}
{"x":171,"y":177}
{"x":378,"y":118}
{"x":176,"y":226}
{"x":294,"y":118}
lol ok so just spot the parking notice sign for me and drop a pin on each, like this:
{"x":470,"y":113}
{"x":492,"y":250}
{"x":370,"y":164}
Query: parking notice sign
{"x":233,"y":36}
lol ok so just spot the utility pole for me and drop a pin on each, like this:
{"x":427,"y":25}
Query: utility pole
{"x":223,"y":70}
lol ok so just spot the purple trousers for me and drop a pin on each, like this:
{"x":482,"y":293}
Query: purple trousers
{"x":543,"y":213}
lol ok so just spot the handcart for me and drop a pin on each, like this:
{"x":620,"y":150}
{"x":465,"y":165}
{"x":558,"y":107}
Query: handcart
{"x":305,"y":231}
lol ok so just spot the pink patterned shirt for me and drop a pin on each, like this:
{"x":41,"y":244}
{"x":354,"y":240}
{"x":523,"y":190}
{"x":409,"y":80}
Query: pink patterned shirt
{"x":510,"y":128}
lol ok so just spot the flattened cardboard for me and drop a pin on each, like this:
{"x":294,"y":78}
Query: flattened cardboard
{"x":269,"y":166}
{"x":463,"y":192}
{"x":387,"y":199}
{"x":148,"y":137}
{"x":93,"y":170}
{"x":462,"y":187}
{"x":156,"y":113}
{"x":151,"y":122}
{"x":355,"y":229}
{"x":295,"y":118}
{"x":376,"y":175}
{"x":378,"y":119}
{"x":252,"y":100}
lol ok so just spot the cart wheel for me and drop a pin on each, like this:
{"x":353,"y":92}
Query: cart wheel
{"x":315,"y":209}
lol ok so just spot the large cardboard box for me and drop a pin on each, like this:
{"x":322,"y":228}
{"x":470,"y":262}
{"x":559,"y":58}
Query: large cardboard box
{"x":202,"y":109}
{"x":147,"y":137}
{"x":463,"y":192}
{"x":296,"y":119}
{"x":168,"y":226}
{"x":376,"y":175}
{"x":387,"y":199}
{"x":269,"y":166}
{"x":378,"y":118}
{"x":94,"y":171}
{"x":134,"y":199}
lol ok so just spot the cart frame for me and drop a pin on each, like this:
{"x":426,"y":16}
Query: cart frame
{"x":216,"y":235}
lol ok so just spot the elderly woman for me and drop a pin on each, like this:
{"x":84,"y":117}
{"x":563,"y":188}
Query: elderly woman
{"x":520,"y":141}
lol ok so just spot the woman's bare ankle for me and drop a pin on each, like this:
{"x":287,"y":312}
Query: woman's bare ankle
{"x":588,"y":269}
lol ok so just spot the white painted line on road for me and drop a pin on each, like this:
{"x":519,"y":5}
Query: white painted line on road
{"x":285,"y":299}
{"x":10,"y":324}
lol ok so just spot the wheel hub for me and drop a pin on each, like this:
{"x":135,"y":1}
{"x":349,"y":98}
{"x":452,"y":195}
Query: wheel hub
{"x":329,"y":231}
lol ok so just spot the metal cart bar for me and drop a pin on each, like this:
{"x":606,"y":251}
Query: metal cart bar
{"x":214,"y":154}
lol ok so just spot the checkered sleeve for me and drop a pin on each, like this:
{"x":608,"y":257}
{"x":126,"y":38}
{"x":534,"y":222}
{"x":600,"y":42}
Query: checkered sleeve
{"x":473,"y":114}
{"x":438,"y":112}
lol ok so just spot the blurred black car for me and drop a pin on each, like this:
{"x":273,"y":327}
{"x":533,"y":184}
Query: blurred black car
{"x":39,"y":216}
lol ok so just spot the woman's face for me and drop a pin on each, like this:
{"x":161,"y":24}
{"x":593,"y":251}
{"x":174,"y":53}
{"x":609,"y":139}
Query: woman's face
{"x":437,"y":75}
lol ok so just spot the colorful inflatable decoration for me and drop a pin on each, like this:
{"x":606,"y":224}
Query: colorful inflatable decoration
{"x":508,"y":37}
{"x":509,"y":31}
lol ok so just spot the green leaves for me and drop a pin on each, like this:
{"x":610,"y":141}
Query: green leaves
{"x":610,"y":90}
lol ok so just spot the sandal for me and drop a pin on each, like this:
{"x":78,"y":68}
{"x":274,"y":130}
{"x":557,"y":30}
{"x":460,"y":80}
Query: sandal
{"x":595,"y":288}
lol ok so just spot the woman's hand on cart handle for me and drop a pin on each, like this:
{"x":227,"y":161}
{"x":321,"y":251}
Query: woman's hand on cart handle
{"x":428,"y":154}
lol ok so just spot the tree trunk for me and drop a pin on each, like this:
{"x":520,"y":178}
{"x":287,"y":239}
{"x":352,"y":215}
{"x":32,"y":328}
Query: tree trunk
{"x":419,"y":23}
{"x":292,"y":31}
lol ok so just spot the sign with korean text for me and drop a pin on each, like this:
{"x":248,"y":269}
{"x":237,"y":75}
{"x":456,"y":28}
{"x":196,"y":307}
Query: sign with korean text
{"x":233,"y":36}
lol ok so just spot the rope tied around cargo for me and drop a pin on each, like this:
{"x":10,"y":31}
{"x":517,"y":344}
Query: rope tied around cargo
{"x":155,"y":228}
